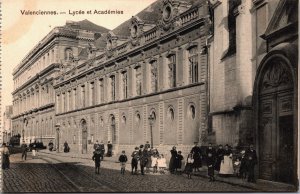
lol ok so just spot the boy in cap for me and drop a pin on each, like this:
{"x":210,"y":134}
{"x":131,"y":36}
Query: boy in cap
{"x":123,"y":160}
{"x":97,"y":158}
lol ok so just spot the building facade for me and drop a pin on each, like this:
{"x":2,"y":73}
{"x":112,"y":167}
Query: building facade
{"x":148,"y":84}
{"x":7,"y":124}
{"x":34,"y":95}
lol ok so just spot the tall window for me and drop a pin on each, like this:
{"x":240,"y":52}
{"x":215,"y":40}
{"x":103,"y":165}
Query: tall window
{"x":138,"y":77}
{"x":83,"y":95}
{"x":69,"y":100}
{"x":92,"y":93}
{"x":154,"y":76}
{"x":172,"y":71}
{"x":74,"y":98}
{"x":125,"y":85}
{"x":113,"y":87}
{"x":193,"y":65}
{"x":64,"y":102}
{"x":101,"y":90}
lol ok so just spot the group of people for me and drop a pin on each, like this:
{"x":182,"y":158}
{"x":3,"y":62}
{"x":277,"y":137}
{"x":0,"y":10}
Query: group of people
{"x":223,"y":161}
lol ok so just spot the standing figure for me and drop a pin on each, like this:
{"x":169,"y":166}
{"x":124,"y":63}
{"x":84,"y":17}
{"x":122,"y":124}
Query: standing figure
{"x":219,"y":157}
{"x":178,"y":162}
{"x":123,"y":160}
{"x":143,"y":153}
{"x":226,"y":167}
{"x":109,"y":149}
{"x":24,"y":151}
{"x":210,"y":161}
{"x":134,"y":161}
{"x":172,"y":163}
{"x":196,"y":151}
{"x":147,"y":145}
{"x":243,"y":166}
{"x":34,"y":150}
{"x":5,"y":156}
{"x":66,"y":147}
{"x":102,"y":149}
{"x":97,"y":159}
{"x":96,"y":144}
{"x":189,"y":165}
{"x":154,"y":157}
{"x":251,"y":162}
{"x":50,"y":146}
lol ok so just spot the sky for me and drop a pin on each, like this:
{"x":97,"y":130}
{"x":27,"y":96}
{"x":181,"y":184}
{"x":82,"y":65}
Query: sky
{"x":20,"y":33}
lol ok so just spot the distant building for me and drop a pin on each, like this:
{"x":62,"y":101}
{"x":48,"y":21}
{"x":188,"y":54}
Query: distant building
{"x":7,"y":123}
{"x":33,"y":95}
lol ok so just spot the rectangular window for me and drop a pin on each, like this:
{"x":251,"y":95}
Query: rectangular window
{"x":92,"y":93}
{"x":101,"y":90}
{"x":74,"y":98}
{"x":83,"y":96}
{"x":125,"y":85}
{"x":69,"y":101}
{"x":172,"y":71}
{"x":193,"y":65}
{"x":154,"y":76}
{"x":138,"y":76}
{"x":113,"y":87}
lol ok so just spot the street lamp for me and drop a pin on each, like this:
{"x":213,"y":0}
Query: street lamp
{"x":151,"y":122}
{"x":57,"y":133}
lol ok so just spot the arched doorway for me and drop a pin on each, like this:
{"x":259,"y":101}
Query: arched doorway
{"x":275,"y":114}
{"x":84,"y":136}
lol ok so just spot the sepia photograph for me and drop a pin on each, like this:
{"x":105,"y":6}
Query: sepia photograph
{"x":160,"y":96}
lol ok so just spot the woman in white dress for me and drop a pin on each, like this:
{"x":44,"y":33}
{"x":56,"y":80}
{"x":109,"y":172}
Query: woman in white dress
{"x":227,"y":164}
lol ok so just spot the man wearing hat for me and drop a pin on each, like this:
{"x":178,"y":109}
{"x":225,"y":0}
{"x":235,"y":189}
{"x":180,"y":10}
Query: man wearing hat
{"x":251,"y":158}
{"x":134,"y":161}
{"x":97,"y":158}
{"x":143,"y":153}
{"x":243,"y":167}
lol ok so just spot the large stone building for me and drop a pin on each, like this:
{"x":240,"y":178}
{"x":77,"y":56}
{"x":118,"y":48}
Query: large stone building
{"x":177,"y":72}
{"x":34,"y":95}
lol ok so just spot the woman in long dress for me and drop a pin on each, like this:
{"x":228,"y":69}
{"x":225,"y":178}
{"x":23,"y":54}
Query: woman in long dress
{"x":173,"y":160}
{"x":226,"y":167}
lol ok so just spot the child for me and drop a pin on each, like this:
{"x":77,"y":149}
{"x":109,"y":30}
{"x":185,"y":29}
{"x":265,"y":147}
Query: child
{"x":134,"y":160}
{"x":97,"y":158}
{"x":161,"y":164}
{"x":123,"y":160}
{"x":189,"y":165}
{"x":210,"y":166}
{"x":179,"y":158}
{"x":236,"y":166}
{"x":154,"y":158}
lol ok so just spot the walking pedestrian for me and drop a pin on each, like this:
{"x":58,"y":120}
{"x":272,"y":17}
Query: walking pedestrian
{"x":189,"y":165}
{"x":210,"y":161}
{"x":226,"y":167}
{"x":134,"y":161}
{"x":24,"y":150}
{"x":66,"y":147}
{"x":97,"y":159}
{"x":251,"y":162}
{"x":172,"y":163}
{"x":197,"y":155}
{"x":109,"y":149}
{"x":219,"y":157}
{"x":5,"y":156}
{"x":50,"y":146}
{"x":123,"y":160}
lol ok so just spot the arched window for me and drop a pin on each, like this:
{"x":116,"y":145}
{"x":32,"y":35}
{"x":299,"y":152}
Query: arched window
{"x":154,"y":76}
{"x":193,"y":64}
{"x":171,"y":113}
{"x":172,"y":70}
{"x":192,"y":111}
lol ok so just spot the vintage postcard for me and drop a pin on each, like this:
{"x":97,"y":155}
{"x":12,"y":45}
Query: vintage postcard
{"x":149,"y":96}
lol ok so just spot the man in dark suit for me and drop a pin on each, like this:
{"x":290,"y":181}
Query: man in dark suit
{"x":251,"y":158}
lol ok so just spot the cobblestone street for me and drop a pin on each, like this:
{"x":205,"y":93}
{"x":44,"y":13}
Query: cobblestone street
{"x":53,"y":173}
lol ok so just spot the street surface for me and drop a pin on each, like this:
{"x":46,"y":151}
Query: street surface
{"x":52,"y":173}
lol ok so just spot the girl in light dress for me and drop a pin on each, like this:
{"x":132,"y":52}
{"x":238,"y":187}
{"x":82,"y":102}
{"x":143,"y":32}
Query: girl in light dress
{"x":161,"y":164}
{"x":189,"y":165}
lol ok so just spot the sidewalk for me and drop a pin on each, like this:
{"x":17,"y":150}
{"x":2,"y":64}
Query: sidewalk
{"x":260,"y":185}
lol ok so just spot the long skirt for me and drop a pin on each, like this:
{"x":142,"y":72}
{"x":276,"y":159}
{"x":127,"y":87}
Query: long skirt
{"x":226,"y":166}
